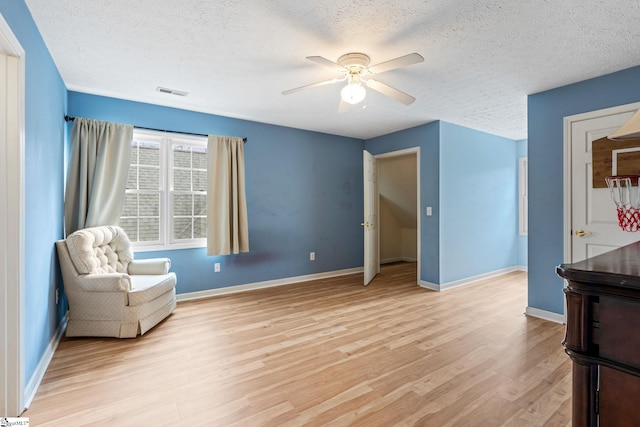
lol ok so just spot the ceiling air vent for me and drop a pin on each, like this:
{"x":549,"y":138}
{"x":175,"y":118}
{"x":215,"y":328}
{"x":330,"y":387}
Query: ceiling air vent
{"x":171,"y":91}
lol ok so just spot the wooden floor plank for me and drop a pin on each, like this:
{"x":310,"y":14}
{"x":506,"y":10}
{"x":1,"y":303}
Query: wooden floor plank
{"x":325,"y":352}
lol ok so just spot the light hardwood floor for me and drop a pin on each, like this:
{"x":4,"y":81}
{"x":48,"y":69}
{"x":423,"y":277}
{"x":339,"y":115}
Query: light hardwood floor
{"x":327,"y":352}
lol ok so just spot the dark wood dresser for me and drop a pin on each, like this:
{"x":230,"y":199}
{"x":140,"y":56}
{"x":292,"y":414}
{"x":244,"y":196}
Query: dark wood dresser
{"x":603,"y":337}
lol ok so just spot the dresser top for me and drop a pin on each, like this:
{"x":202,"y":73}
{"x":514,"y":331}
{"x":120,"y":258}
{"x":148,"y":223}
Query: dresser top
{"x":620,"y":267}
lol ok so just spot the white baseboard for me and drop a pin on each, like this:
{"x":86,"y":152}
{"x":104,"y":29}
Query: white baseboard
{"x":429,"y":285}
{"x":266,"y":284}
{"x":41,"y":369}
{"x":467,"y":281}
{"x":521,"y":268}
{"x":544,"y":314}
{"x":397,"y":259}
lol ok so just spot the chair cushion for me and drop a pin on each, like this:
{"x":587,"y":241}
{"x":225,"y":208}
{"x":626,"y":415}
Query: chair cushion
{"x":150,"y":266}
{"x":104,"y":249}
{"x":145,"y":288}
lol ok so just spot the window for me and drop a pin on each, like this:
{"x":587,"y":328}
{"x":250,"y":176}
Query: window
{"x":166,"y":197}
{"x":523,"y":199}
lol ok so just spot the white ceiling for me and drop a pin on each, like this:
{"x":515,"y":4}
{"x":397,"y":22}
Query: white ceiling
{"x":235,"y":57}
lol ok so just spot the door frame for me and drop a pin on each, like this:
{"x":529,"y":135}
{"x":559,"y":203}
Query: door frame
{"x":415,"y":151}
{"x":12,"y":305}
{"x":568,"y":165}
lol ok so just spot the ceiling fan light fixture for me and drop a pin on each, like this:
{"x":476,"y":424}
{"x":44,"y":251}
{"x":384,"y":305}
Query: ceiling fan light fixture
{"x":354,"y":68}
{"x":353,"y":93}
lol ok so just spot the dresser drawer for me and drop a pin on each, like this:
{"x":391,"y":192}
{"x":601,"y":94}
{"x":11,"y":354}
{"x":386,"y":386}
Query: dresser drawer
{"x":620,"y":331}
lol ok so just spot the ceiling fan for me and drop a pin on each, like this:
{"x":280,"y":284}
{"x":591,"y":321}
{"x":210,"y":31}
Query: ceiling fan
{"x":355,"y":70}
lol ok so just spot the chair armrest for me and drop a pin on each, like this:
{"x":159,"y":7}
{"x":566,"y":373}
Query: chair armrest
{"x":104,"y":282}
{"x":149,"y":266}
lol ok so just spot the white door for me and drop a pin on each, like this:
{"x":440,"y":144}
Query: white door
{"x":370,"y":224}
{"x":594,"y":224}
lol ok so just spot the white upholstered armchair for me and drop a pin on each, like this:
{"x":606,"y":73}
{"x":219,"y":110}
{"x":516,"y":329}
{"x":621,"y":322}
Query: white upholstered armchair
{"x":110,"y":294}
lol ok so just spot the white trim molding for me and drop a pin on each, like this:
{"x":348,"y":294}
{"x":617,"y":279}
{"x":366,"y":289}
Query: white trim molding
{"x":12,"y":137}
{"x":41,"y":369}
{"x":545,"y":315}
{"x":429,"y":285}
{"x":523,"y":196}
{"x":467,"y":281}
{"x":397,"y":259}
{"x":266,"y":284}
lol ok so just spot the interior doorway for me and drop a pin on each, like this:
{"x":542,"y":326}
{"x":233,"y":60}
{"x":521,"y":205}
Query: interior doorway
{"x":399,"y":207}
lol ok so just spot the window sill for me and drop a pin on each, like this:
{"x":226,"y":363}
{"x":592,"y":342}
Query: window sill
{"x":173,"y":247}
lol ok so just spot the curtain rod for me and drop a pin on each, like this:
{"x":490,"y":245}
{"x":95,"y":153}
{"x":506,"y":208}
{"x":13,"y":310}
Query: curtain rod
{"x":70,"y":119}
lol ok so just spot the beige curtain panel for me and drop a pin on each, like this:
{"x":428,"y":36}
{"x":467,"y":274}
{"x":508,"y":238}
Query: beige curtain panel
{"x":227,"y":227}
{"x":97,"y":174}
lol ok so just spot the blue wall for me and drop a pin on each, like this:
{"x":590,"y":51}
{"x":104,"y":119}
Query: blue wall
{"x":522,"y":241}
{"x":304,"y":193}
{"x":469,"y":179}
{"x":45,"y":107}
{"x":304,"y":188}
{"x":546,"y":152}
{"x":427,"y":137}
{"x":478,"y":203}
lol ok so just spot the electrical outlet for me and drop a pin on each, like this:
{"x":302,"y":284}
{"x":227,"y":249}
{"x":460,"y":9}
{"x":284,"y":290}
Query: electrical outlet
{"x":429,"y":211}
{"x":216,"y":267}
{"x":312,"y":256}
{"x":57,"y":296}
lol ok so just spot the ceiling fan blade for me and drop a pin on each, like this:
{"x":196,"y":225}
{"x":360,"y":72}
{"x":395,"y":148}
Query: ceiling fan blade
{"x":391,"y":92}
{"x":297,"y":89}
{"x":392,"y":64}
{"x":326,"y":63}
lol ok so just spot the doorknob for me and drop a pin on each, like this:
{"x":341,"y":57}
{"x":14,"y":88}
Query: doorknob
{"x":582,"y":233}
{"x":366,"y":224}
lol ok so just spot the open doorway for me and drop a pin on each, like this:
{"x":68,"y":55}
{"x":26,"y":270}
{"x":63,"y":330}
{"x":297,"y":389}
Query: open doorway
{"x":399,"y":219}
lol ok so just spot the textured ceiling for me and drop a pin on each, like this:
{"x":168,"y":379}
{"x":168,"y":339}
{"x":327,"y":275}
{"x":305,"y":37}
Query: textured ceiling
{"x":235,"y":57}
